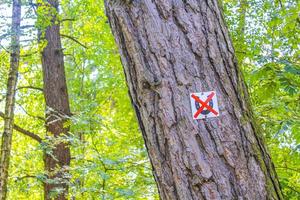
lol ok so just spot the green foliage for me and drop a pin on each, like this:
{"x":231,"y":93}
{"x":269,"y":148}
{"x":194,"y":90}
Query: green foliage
{"x":269,"y":57}
{"x":109,"y":160}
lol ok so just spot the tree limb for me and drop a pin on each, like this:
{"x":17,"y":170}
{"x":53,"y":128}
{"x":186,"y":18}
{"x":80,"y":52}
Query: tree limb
{"x":29,"y":54}
{"x":25,"y":132}
{"x":30,"y":115}
{"x":288,"y":168}
{"x":73,"y":39}
{"x":27,"y":26}
{"x":295,"y":190}
{"x":5,"y":35}
{"x":23,"y":177}
{"x":68,"y":19}
{"x":1,"y":46}
{"x":30,"y":87}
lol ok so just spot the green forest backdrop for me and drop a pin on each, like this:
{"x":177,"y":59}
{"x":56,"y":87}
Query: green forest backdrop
{"x":109,"y":160}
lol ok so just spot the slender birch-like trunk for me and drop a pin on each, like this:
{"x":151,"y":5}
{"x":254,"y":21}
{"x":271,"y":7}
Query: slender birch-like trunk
{"x":10,"y":97}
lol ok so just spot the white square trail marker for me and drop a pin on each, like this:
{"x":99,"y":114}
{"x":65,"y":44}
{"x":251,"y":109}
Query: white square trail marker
{"x":204,"y":105}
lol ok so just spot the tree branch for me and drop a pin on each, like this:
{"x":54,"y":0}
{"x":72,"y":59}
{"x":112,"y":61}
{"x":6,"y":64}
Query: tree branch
{"x":295,"y":190}
{"x":25,"y":132}
{"x":6,"y":50}
{"x":27,"y":26}
{"x":4,"y":35}
{"x":288,"y":168}
{"x":68,"y":19}
{"x":29,"y":54}
{"x":23,"y":177}
{"x":73,"y":39}
{"x":30,"y":87}
{"x":30,"y":115}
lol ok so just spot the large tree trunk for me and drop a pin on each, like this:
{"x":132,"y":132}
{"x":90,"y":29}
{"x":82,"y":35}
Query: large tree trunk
{"x":170,"y":49}
{"x":57,"y":112}
{"x":10,"y":98}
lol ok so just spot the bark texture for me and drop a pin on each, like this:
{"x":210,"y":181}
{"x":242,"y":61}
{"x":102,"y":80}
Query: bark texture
{"x":169,"y":49}
{"x":56,"y":161}
{"x":10,"y":98}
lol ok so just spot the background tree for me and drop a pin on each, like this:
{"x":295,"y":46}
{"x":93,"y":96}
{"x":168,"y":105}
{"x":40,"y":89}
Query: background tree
{"x":6,"y":139}
{"x":57,"y":153}
{"x":271,"y":68}
{"x":97,"y":93}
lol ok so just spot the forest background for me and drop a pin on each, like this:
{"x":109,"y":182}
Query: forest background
{"x":109,"y":160}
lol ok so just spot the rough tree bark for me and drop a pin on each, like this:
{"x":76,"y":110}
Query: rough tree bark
{"x":169,"y":49}
{"x":57,"y":109}
{"x":10,"y":97}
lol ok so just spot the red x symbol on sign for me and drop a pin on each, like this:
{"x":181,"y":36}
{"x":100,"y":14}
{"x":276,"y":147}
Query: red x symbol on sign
{"x":204,"y":104}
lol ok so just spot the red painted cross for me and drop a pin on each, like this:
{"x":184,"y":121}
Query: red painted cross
{"x":204,"y":104}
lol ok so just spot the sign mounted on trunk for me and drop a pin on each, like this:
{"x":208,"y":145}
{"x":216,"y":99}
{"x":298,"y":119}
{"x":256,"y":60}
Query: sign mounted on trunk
{"x":204,"y":105}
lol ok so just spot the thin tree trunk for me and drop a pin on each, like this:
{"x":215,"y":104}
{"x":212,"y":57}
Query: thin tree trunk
{"x":57,"y":112}
{"x":10,"y":98}
{"x":170,"y":49}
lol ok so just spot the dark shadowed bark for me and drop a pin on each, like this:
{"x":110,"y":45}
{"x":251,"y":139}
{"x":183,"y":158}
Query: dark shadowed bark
{"x":57,"y":161}
{"x":10,"y":98}
{"x":170,"y":49}
{"x":24,"y":131}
